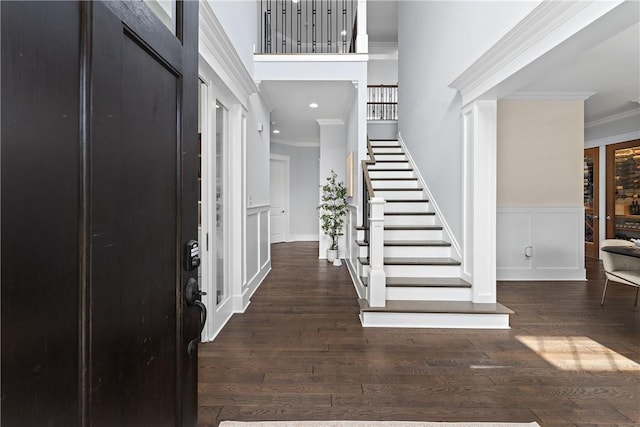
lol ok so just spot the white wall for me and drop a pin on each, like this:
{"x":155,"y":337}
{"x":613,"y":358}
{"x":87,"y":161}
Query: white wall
{"x":239,"y":20}
{"x":333,"y":155}
{"x":540,"y":217}
{"x":304,"y":169}
{"x":382,"y":72}
{"x":257,"y":153}
{"x":437,"y":40}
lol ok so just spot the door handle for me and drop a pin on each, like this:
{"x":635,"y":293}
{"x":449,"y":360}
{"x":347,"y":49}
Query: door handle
{"x":192,"y":293}
{"x":596,"y":217}
{"x":609,"y":217}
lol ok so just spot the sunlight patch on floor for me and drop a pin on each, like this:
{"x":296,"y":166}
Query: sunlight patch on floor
{"x":578,"y":354}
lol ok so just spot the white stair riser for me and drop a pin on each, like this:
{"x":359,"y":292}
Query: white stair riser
{"x":407,"y":207}
{"x":409,"y":220}
{"x":422,"y":270}
{"x":383,"y":157}
{"x":413,"y":234}
{"x":409,"y":251}
{"x":363,"y":251}
{"x":382,"y":150}
{"x":389,"y":174}
{"x":378,"y":143}
{"x":394,"y":184}
{"x":386,"y":183}
{"x":428,"y":294}
{"x":434,"y":320}
{"x":386,"y":165}
{"x":408,"y":194}
{"x":417,"y":251}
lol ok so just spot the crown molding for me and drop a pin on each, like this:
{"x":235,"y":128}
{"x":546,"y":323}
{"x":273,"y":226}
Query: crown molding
{"x":551,"y":95}
{"x":217,"y":50}
{"x":545,"y":27}
{"x":295,"y":144}
{"x":613,"y":118}
{"x":323,"y":122}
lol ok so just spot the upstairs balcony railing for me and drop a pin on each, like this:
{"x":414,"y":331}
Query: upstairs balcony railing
{"x":307,"y":26}
{"x":382,"y":102}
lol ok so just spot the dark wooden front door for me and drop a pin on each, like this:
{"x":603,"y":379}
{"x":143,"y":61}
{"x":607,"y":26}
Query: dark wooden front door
{"x":99,"y":134}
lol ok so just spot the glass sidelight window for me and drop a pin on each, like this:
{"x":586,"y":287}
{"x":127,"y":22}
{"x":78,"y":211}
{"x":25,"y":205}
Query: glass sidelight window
{"x":221,"y":117}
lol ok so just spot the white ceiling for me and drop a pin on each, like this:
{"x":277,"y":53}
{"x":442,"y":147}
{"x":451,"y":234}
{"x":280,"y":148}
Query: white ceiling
{"x":291,"y":112}
{"x":611,"y":69}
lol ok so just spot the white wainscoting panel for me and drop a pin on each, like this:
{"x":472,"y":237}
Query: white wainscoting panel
{"x":555,"y":237}
{"x":257,"y":251}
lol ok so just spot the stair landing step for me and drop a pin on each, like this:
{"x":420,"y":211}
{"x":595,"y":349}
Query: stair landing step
{"x":422,"y":282}
{"x":414,"y":261}
{"x":453,"y":307}
{"x":409,"y":243}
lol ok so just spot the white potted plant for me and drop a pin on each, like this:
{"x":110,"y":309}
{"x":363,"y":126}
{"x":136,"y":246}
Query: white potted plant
{"x":333,"y":208}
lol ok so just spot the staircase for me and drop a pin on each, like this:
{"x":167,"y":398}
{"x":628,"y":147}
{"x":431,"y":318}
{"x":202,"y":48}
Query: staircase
{"x":422,"y":269}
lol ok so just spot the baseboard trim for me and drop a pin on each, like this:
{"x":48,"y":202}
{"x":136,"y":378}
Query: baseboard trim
{"x":552,"y":274}
{"x":304,"y":238}
{"x":357,"y":284}
{"x":253,"y":285}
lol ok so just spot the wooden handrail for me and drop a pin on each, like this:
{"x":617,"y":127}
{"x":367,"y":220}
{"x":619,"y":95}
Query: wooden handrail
{"x":365,"y":169}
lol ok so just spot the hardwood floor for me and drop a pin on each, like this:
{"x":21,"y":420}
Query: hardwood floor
{"x":299,"y":353}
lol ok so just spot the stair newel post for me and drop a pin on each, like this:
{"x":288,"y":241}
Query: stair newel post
{"x":377,"y":278}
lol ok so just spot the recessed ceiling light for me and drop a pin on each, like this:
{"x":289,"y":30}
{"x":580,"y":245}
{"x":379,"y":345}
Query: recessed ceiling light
{"x":276,"y":131}
{"x":343,"y":33}
{"x":295,"y":1}
{"x":313,"y":105}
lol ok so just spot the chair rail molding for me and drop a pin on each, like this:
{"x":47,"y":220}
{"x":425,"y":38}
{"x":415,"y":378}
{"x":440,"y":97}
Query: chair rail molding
{"x":545,"y":27}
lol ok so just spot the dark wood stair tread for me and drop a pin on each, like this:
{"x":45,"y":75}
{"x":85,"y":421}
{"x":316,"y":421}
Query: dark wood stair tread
{"x":453,"y":307}
{"x":397,"y":153}
{"x":394,"y":179}
{"x":423,"y":282}
{"x":390,"y":170}
{"x":410,"y":213}
{"x":414,"y":261}
{"x":407,"y":200}
{"x":397,"y":189}
{"x":391,"y":161}
{"x":384,"y":139}
{"x":413,"y":227}
{"x":409,"y":243}
{"x":385,"y":146}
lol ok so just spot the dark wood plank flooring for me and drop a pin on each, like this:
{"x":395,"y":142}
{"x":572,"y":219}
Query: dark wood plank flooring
{"x":299,"y":353}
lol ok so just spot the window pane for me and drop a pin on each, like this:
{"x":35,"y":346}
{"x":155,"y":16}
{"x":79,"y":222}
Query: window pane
{"x":166,"y":11}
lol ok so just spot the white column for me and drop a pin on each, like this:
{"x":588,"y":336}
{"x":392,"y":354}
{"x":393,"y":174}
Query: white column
{"x":480,"y":144}
{"x":362,"y":39}
{"x":377,"y":291}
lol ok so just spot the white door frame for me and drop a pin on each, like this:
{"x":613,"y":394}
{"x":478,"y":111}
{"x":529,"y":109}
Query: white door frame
{"x":216,"y":92}
{"x":287,"y":204}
